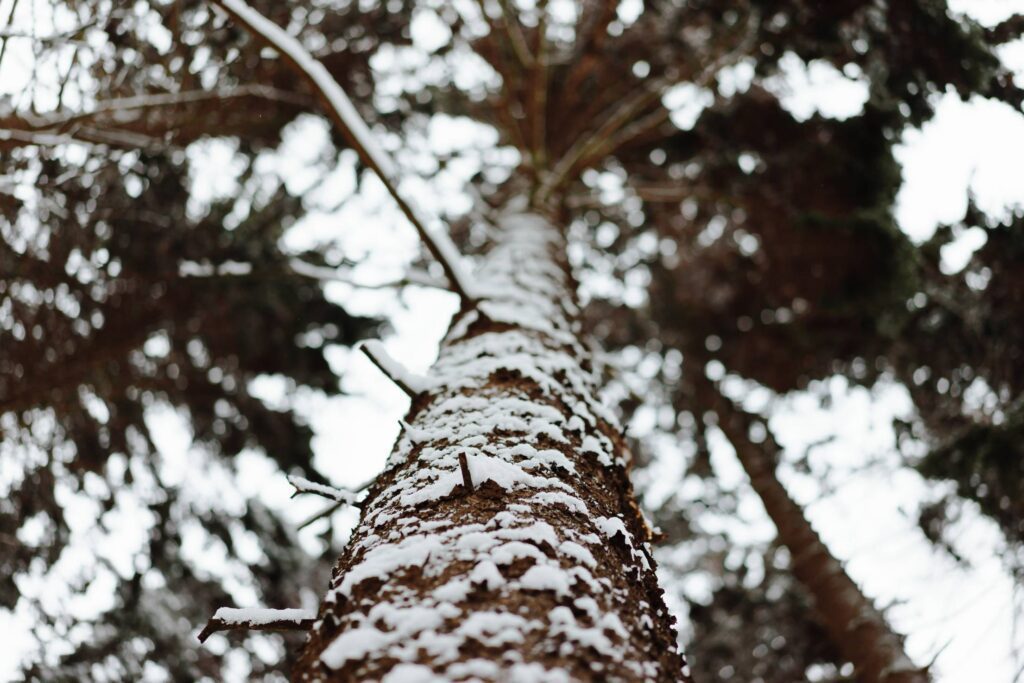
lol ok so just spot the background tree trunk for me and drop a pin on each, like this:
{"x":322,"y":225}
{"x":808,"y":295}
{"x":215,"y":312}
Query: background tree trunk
{"x":858,"y":630}
{"x":534,"y":567}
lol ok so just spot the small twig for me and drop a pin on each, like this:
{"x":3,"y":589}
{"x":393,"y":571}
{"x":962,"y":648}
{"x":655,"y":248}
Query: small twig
{"x":258,"y":619}
{"x":303,"y":485}
{"x":67,"y":76}
{"x":413,"y":277}
{"x":467,"y":479}
{"x":409,"y":383}
{"x":326,"y":512}
{"x":87,"y":137}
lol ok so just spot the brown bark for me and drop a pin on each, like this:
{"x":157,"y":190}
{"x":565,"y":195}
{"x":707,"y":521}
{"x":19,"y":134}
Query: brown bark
{"x":857,"y":629}
{"x":539,"y":569}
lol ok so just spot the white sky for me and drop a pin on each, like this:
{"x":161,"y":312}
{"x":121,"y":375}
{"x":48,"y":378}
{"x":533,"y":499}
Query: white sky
{"x":963,"y":615}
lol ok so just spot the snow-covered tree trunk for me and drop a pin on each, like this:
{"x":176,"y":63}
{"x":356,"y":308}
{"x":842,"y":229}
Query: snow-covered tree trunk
{"x":503,"y":541}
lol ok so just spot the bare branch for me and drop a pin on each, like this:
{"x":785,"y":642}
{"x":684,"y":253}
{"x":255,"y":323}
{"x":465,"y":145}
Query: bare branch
{"x":258,"y":619}
{"x":513,"y":30}
{"x":86,"y":136}
{"x":584,"y":147}
{"x":857,"y":629}
{"x":412,"y":277}
{"x":41,"y":139}
{"x":669,"y":192}
{"x":326,"y":512}
{"x":331,"y":509}
{"x":65,"y":37}
{"x":155,"y":100}
{"x":613,"y":132}
{"x":1007,"y":30}
{"x":539,"y":91}
{"x":120,"y":138}
{"x":344,"y":115}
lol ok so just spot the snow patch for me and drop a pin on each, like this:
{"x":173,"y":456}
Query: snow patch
{"x":260,"y":616}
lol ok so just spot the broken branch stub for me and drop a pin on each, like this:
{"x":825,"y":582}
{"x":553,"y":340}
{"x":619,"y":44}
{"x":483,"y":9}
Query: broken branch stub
{"x":257,"y":619}
{"x":344,"y":116}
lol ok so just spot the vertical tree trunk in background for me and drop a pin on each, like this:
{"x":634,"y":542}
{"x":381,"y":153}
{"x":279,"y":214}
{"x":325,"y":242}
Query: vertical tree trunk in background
{"x":536,"y":569}
{"x":857,"y":629}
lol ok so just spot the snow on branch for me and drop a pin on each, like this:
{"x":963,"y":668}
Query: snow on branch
{"x":344,"y":115}
{"x":412,"y":277}
{"x":258,"y":619}
{"x":406,"y":381}
{"x":303,"y":485}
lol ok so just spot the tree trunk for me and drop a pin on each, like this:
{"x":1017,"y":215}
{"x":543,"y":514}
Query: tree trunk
{"x":502,"y":541}
{"x":857,"y":629}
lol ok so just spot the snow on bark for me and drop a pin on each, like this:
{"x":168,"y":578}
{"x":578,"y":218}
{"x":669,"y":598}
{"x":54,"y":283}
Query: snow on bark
{"x":542,"y":571}
{"x":257,"y":619}
{"x":261,"y":616}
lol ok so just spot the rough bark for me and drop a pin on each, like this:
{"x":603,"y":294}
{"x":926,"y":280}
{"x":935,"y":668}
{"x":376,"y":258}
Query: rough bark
{"x":538,"y":567}
{"x":857,"y":629}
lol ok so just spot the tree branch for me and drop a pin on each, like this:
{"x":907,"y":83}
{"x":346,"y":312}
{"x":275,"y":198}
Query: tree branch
{"x":857,"y":629}
{"x":326,"y":512}
{"x":43,"y":139}
{"x":409,"y":383}
{"x":344,"y":115}
{"x":3,"y":41}
{"x":412,"y":277}
{"x":258,"y":619}
{"x":331,"y":509}
{"x":155,"y":100}
{"x":514,"y":32}
{"x":613,"y":132}
{"x":1007,"y":30}
{"x":303,"y":485}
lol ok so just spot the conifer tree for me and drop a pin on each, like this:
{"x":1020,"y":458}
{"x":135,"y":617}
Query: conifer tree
{"x":503,"y":540}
